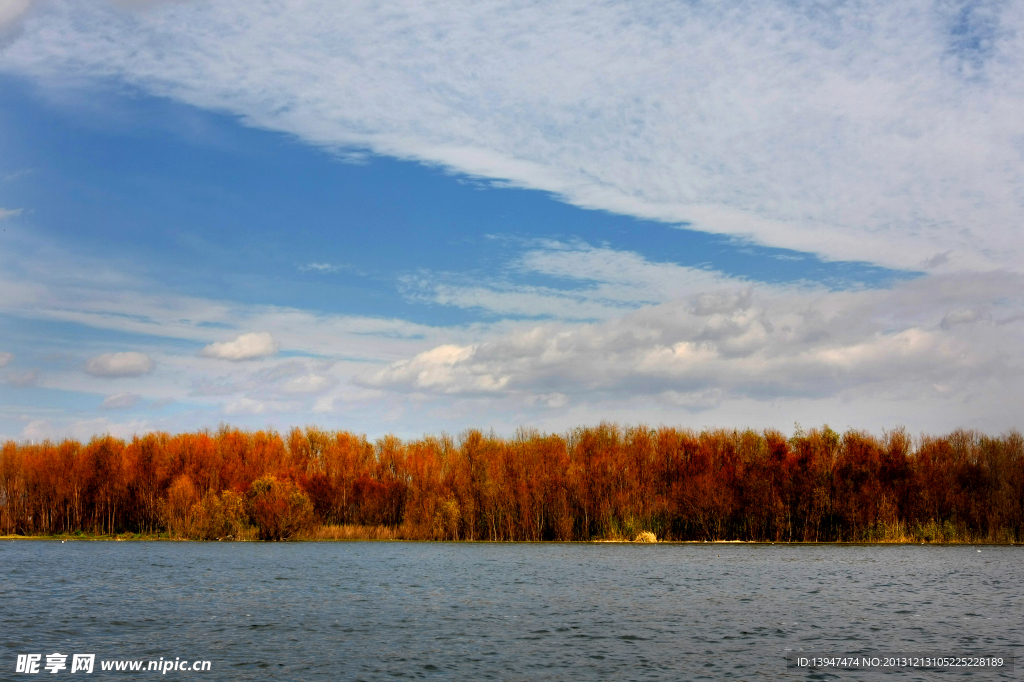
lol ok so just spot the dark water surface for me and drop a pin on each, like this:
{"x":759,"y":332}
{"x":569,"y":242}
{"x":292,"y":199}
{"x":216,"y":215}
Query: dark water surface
{"x":376,"y":611}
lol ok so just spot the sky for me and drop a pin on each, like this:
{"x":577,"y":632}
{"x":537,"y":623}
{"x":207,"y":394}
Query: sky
{"x":422,"y":217}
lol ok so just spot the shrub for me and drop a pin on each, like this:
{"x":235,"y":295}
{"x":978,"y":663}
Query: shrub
{"x":220,"y":516}
{"x":278,"y":508}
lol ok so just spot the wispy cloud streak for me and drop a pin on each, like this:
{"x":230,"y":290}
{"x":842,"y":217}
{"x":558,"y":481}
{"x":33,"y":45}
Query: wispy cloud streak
{"x":886,"y":132}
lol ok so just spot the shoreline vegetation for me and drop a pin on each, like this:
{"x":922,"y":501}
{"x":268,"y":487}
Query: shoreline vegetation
{"x":357,"y":536}
{"x":593,"y":484}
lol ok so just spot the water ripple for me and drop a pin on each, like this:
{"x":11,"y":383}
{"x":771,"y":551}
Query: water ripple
{"x":376,"y":611}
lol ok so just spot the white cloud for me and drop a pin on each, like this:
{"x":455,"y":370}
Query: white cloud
{"x":694,"y":401}
{"x":322,"y":268}
{"x":768,"y":344}
{"x":54,"y":285}
{"x":309,"y":383}
{"x":669,"y":345}
{"x":84,"y":429}
{"x":324,"y":405}
{"x":285,"y":380}
{"x":961,"y":316}
{"x":245,"y":406}
{"x":245,"y":347}
{"x":12,"y":10}
{"x":37,"y":429}
{"x":879,"y":131}
{"x":5,"y":358}
{"x":604,"y":283}
{"x":441,"y":369}
{"x":9,"y":212}
{"x":128,"y":364}
{"x":120,"y":401}
{"x":555,"y":399}
{"x":91,"y":294}
{"x":23,"y":379}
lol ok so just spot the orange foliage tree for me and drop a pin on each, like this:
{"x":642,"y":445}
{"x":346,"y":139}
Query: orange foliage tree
{"x":597,"y":482}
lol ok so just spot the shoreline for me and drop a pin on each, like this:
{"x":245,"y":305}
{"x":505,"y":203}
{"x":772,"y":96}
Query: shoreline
{"x":795,"y":543}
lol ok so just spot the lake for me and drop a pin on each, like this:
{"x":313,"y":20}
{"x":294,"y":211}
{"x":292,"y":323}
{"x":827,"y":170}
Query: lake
{"x":395,"y":610}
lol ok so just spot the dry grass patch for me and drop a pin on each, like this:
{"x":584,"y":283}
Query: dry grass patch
{"x":353,"y":532}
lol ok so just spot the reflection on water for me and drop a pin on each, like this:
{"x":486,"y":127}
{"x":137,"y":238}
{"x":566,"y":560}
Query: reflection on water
{"x":376,"y":611}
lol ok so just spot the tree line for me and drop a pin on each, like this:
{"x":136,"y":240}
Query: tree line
{"x":602,"y":482}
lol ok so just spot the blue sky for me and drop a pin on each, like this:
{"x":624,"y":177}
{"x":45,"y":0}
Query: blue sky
{"x":433,"y":220}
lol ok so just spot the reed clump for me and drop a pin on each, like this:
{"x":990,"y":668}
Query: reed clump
{"x":646,"y":536}
{"x":353,"y":532}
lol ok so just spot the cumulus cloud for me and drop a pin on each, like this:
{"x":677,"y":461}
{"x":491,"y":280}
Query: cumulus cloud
{"x":878,"y":131}
{"x":5,"y":358}
{"x":245,"y":347}
{"x":443,"y":369}
{"x":128,"y":364}
{"x":691,"y":349}
{"x":664,"y":344}
{"x":120,"y":401}
{"x":736,"y":343}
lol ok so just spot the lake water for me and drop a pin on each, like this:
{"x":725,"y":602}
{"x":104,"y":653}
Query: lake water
{"x":390,"y":610}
